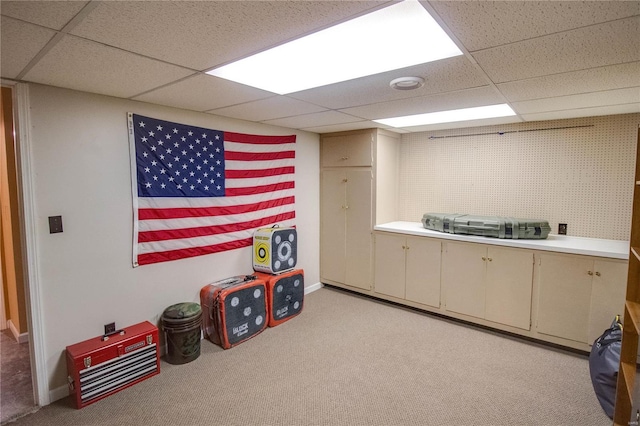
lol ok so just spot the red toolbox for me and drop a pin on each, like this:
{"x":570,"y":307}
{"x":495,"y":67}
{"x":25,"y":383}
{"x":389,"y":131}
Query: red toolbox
{"x":233,"y":309}
{"x":285,"y":295}
{"x":104,"y":365}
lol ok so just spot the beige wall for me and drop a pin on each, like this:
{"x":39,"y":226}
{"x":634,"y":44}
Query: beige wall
{"x":81,"y":170}
{"x":581,"y":174}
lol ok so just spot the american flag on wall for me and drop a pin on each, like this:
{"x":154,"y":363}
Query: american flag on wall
{"x":198,"y":191}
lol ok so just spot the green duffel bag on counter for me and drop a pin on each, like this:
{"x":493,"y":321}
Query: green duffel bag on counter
{"x":487,"y":226}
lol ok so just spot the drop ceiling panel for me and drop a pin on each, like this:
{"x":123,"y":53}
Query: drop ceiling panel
{"x":483,"y":24}
{"x":615,"y":42}
{"x":203,"y":92}
{"x":314,"y":120}
{"x":584,"y":81}
{"x":424,"y":104}
{"x":584,"y":112}
{"x":365,"y":124}
{"x":203,"y":34}
{"x":50,"y":14}
{"x":20,"y":43}
{"x":155,"y":51}
{"x":463,"y":124}
{"x":268,"y":109}
{"x":440,"y":76}
{"x":584,"y":100}
{"x":78,"y":64}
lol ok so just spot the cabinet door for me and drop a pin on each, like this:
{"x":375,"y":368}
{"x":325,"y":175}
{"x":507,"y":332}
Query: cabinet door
{"x":565,"y":295}
{"x":347,"y":150}
{"x":509,"y":284}
{"x":463,"y":278}
{"x":607,"y":295}
{"x":358,"y":237}
{"x":423,"y":256}
{"x":333,"y":225}
{"x":390,"y":265}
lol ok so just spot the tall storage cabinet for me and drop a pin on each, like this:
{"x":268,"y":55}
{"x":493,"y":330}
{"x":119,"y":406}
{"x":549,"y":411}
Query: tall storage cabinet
{"x":348,"y":194}
{"x":346,"y":226}
{"x":626,"y":409}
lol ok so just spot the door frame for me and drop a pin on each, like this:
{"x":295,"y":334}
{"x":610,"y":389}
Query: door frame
{"x":28,"y":227}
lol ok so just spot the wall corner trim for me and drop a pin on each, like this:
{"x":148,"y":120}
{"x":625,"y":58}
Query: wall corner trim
{"x":30,"y":248}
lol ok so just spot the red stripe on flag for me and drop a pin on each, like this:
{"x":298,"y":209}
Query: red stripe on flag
{"x":177,"y":213}
{"x":203,"y":231}
{"x":164,"y":256}
{"x":247,"y":174}
{"x":252,"y":190}
{"x":258,"y":156}
{"x":258,"y":139}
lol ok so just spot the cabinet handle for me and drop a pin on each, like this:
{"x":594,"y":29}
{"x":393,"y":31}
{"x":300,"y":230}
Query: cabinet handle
{"x":484,"y":258}
{"x":590,"y":272}
{"x":404,"y":247}
{"x":489,"y":259}
{"x":344,"y":158}
{"x":597,"y":274}
{"x":345,"y":207}
{"x":345,"y":180}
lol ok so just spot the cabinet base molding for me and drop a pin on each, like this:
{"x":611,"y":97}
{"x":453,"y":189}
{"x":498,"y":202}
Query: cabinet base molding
{"x":529,"y":336}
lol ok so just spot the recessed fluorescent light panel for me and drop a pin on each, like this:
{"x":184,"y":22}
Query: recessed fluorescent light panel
{"x":397,"y":36}
{"x":477,"y":113}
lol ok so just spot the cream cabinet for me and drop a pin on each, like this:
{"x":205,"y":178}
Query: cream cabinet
{"x":347,"y":150}
{"x":408,"y":268}
{"x":579,"y":296}
{"x":346,"y":246}
{"x":488,"y":282}
{"x":348,"y":195}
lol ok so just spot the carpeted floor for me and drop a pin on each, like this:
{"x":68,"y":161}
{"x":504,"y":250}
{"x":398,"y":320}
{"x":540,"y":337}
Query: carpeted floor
{"x":16,"y":390}
{"x":348,"y":360}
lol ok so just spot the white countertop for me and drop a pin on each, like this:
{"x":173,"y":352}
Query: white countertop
{"x":615,"y":249}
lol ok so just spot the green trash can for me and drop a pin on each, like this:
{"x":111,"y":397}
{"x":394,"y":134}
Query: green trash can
{"x":181,"y":324}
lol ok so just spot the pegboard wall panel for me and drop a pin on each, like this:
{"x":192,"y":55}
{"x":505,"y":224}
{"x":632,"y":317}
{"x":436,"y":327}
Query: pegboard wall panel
{"x":579,"y":172}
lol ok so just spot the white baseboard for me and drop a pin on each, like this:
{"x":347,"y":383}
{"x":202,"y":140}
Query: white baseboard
{"x":63,"y":391}
{"x":58,"y":393}
{"x":313,"y":287}
{"x":20,"y":338}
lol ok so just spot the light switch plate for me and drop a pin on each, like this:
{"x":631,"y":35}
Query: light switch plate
{"x":55,"y":224}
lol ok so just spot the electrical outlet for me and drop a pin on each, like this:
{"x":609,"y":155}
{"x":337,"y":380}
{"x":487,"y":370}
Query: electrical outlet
{"x":562,"y":229}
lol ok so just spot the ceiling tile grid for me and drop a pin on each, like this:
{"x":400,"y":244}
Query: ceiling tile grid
{"x":268,"y":109}
{"x":583,"y":100}
{"x":49,"y":14}
{"x":204,"y":34}
{"x":78,"y":64}
{"x":441,"y":76}
{"x":202,"y":92}
{"x":31,"y":38}
{"x":614,"y":42}
{"x":548,"y":59}
{"x":484,"y":24}
{"x":574,"y":82}
{"x":431,"y":103}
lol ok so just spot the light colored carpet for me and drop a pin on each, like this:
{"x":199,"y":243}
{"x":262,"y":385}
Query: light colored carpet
{"x":348,"y":360}
{"x":16,"y":390}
